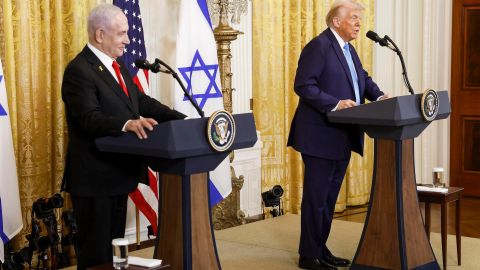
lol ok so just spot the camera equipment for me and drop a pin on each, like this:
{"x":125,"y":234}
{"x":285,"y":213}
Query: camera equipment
{"x":43,"y":208}
{"x":34,"y":235}
{"x":46,"y":246}
{"x":272,"y":198}
{"x":16,"y":260}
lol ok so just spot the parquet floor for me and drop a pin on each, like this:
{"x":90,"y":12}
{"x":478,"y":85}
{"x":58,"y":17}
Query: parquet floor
{"x":470,"y":216}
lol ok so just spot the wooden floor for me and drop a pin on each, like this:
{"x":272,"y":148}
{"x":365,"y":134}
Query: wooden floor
{"x":470,"y":216}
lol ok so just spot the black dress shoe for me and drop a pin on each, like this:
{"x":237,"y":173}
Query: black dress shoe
{"x":314,"y":264}
{"x":336,"y":261}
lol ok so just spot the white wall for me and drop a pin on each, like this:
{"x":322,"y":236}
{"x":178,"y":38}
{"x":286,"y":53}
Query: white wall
{"x":242,"y":65}
{"x":422,"y":31}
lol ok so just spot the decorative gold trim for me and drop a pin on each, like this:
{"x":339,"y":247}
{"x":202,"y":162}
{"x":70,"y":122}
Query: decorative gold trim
{"x":227,"y":213}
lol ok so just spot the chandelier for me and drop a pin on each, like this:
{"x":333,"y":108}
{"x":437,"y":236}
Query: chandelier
{"x":225,"y":11}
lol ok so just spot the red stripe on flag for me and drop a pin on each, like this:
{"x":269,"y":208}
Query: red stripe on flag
{"x":145,"y":71}
{"x":152,"y":179}
{"x":147,"y":210}
{"x":137,"y":196}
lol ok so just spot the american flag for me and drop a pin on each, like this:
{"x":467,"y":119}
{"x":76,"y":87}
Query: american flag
{"x":145,"y":197}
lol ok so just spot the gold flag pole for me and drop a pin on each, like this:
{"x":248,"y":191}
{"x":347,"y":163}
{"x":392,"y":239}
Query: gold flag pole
{"x":137,"y":225}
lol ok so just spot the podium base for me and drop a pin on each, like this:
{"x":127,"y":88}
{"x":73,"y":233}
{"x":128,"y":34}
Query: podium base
{"x":185,"y":237}
{"x":393,"y":235}
{"x":429,"y":266}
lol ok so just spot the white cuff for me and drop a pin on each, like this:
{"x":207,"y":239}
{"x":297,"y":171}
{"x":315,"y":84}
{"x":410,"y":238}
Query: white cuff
{"x":124,"y":128}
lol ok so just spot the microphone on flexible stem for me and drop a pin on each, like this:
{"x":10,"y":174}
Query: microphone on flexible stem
{"x":374,"y":36}
{"x":386,"y":41}
{"x":156,"y":67}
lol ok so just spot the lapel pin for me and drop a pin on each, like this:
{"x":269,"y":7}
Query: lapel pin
{"x":100,"y":67}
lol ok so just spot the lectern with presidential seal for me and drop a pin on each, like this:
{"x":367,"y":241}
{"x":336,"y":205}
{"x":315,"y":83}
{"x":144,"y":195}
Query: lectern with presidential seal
{"x":221,"y":130}
{"x":393,"y":235}
{"x":183,"y":152}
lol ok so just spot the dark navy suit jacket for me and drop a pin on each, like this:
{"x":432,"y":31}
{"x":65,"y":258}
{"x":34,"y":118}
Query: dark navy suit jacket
{"x":321,"y":81}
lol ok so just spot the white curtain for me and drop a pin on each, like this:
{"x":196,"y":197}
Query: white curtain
{"x":422,"y":30}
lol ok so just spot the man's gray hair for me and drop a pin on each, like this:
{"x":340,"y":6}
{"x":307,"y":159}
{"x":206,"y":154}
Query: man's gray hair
{"x":100,"y":16}
{"x":337,"y":5}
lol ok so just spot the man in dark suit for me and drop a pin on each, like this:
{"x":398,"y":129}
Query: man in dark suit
{"x":329,"y":77}
{"x":100,"y":100}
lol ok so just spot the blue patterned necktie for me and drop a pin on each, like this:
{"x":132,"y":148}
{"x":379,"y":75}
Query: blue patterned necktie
{"x":348,"y":56}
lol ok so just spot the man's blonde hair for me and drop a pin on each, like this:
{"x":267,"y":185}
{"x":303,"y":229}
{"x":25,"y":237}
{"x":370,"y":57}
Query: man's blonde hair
{"x":337,"y":5}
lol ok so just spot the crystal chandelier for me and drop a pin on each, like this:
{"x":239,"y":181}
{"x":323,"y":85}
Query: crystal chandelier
{"x":226,"y":11}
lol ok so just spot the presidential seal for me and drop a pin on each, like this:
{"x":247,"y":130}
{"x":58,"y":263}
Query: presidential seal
{"x":429,"y":104}
{"x":221,"y":130}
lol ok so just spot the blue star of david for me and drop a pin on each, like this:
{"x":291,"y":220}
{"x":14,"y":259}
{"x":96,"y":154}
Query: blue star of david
{"x":3,"y":236}
{"x":2,"y":110}
{"x":211,"y":90}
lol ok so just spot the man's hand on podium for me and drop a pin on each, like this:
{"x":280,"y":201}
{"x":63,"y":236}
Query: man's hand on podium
{"x":345,"y":103}
{"x":138,"y":126}
{"x":385,"y":96}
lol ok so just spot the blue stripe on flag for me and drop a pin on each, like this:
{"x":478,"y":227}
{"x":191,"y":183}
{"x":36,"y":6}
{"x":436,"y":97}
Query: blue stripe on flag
{"x":215,"y":196}
{"x":203,"y":6}
{"x":3,"y":236}
{"x":2,"y":110}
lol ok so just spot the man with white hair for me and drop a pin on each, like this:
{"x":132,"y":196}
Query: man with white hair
{"x":329,"y":77}
{"x":101,"y":99}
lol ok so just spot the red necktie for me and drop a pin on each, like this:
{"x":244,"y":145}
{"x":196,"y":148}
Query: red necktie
{"x":116,"y":67}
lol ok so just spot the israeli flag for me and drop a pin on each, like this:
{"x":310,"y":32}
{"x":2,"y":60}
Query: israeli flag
{"x":10,"y":211}
{"x":197,"y":66}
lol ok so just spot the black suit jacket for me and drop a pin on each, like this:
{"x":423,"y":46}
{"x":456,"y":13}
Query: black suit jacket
{"x":96,"y":106}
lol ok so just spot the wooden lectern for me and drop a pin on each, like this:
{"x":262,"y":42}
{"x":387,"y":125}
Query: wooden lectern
{"x":393,"y":235}
{"x":180,"y":152}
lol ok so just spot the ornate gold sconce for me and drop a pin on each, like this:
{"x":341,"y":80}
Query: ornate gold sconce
{"x":220,"y":11}
{"x":227,"y":213}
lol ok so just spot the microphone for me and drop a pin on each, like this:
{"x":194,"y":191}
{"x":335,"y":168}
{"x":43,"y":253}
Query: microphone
{"x":155,"y":67}
{"x":374,"y":36}
{"x":388,"y":42}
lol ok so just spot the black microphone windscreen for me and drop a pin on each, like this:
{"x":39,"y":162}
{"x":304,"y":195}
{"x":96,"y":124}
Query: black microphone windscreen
{"x":142,"y":63}
{"x":373,"y":36}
